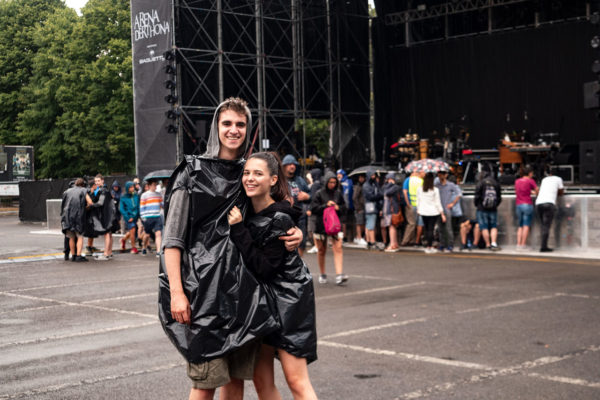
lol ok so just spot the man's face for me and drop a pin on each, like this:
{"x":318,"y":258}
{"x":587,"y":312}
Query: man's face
{"x":442,"y":176}
{"x":136,"y":183}
{"x":361,"y":178}
{"x":290,"y":170}
{"x":99,"y":182}
{"x":232,"y":131}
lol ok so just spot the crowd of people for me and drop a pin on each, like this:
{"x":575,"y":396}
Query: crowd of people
{"x":94,"y":210}
{"x":387,"y":212}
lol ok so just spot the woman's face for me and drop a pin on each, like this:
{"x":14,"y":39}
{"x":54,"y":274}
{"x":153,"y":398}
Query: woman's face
{"x":257,"y":180}
{"x":331,"y":183}
{"x":232,"y":130}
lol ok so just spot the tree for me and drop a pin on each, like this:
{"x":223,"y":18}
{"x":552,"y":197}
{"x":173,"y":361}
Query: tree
{"x":79,"y":115}
{"x":19,"y":21}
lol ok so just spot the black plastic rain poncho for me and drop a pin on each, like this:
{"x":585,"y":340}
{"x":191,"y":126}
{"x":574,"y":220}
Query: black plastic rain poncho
{"x":229,"y":307}
{"x":285,"y":276}
{"x":101,"y":212}
{"x":72,"y":215}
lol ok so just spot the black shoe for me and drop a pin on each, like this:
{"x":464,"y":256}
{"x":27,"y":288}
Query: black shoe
{"x":67,"y":255}
{"x":80,"y":259}
{"x":546,"y":250}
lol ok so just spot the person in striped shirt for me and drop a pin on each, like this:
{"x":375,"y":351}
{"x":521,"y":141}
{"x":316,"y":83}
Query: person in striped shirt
{"x":151,"y":205}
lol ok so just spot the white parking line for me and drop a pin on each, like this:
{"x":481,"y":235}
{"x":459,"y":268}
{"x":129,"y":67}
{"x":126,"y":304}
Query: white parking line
{"x":562,"y":379}
{"x":133,"y":296}
{"x":32,"y":309}
{"x":367,"y":291}
{"x":517,"y":369}
{"x":70,"y":303}
{"x":91,"y":381}
{"x":64,"y":285}
{"x":78,"y":334}
{"x":375,"y":328}
{"x":416,"y":357}
{"x":507,"y":304}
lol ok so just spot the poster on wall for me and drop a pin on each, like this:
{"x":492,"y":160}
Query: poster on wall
{"x":16,"y":163}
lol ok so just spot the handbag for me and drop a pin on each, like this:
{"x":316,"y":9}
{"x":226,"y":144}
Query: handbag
{"x":331,"y":221}
{"x":370,"y":207}
{"x":398,"y":218}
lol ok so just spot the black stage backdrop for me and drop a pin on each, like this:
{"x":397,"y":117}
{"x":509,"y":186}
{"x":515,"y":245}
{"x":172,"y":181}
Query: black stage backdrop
{"x":540,"y":71}
{"x":151,"y":36}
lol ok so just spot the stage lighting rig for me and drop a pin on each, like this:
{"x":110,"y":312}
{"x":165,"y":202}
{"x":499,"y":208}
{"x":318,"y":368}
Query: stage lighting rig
{"x":169,"y":55}
{"x":173,"y":114}
{"x":171,"y":98}
{"x":170,"y":69}
{"x":172,"y":129}
{"x":170,"y":84}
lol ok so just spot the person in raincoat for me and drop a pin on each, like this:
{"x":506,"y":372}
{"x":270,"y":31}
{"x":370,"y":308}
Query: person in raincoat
{"x":72,"y":218}
{"x":102,"y":211}
{"x":329,"y":195}
{"x":129,"y":206}
{"x":284,"y":273}
{"x":211,"y":306}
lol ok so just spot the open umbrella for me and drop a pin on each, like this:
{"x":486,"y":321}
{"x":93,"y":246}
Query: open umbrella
{"x":159,"y":174}
{"x":427,"y":165}
{"x":379,"y":169}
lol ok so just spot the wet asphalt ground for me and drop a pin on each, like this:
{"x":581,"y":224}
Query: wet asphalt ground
{"x":407,"y":325}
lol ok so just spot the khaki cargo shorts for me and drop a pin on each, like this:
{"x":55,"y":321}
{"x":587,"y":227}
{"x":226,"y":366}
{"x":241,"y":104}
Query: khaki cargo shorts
{"x":218,"y":372}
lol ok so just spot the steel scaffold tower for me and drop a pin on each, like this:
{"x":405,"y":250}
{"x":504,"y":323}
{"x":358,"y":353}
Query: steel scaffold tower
{"x":283,"y":56}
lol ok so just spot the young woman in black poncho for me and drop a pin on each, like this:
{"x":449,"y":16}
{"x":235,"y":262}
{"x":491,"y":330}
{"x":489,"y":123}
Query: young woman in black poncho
{"x":283,"y":273}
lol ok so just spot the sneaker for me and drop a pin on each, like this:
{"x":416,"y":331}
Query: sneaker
{"x":134,"y":250}
{"x":313,"y":250}
{"x":144,"y":251}
{"x":433,"y":250}
{"x":355,"y":241}
{"x":90,"y":250}
{"x":441,"y":249}
{"x":495,"y":247}
{"x":464,"y":247}
{"x":158,"y":254}
{"x":80,"y":259}
{"x":546,"y":250}
{"x":102,"y":257}
{"x":362,"y":242}
{"x":449,"y":249}
{"x":122,"y":243}
{"x":322,"y":278}
{"x":67,"y":255}
{"x":341,"y":279}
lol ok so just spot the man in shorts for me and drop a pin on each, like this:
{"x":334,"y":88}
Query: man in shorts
{"x":151,"y":205}
{"x":72,"y":218}
{"x":227,"y":141}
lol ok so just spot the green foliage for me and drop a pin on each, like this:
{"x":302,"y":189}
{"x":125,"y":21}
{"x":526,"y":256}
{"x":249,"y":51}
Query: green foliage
{"x":317,"y":135}
{"x":77,"y":104}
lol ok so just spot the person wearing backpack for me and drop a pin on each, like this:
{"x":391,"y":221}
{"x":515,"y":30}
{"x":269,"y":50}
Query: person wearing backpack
{"x":488,"y":197}
{"x":330,"y":196}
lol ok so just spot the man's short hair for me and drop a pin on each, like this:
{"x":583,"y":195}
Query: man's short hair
{"x":99,"y":176}
{"x":234,"y":104}
{"x":79,"y":182}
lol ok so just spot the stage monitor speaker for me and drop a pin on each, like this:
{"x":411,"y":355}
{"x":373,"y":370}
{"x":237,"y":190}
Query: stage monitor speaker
{"x":566,"y":172}
{"x":589,"y":165}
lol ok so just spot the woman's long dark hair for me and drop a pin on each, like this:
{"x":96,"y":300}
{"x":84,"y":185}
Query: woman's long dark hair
{"x":428,"y":182}
{"x":280,"y":191}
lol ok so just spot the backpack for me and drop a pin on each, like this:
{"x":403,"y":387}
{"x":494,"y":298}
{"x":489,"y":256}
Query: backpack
{"x":331,"y":221}
{"x":490,"y":197}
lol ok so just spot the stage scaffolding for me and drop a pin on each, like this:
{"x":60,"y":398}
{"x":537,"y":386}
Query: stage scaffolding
{"x":291,"y":60}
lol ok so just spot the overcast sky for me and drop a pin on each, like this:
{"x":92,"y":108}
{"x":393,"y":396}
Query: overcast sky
{"x":76,"y":4}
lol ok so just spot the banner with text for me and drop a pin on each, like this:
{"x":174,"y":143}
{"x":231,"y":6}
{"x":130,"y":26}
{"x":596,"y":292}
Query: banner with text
{"x":151,"y":35}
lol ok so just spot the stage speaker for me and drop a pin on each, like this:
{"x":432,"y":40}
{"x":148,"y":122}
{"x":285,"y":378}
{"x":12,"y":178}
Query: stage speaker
{"x":589,"y":165}
{"x":566,"y":172}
